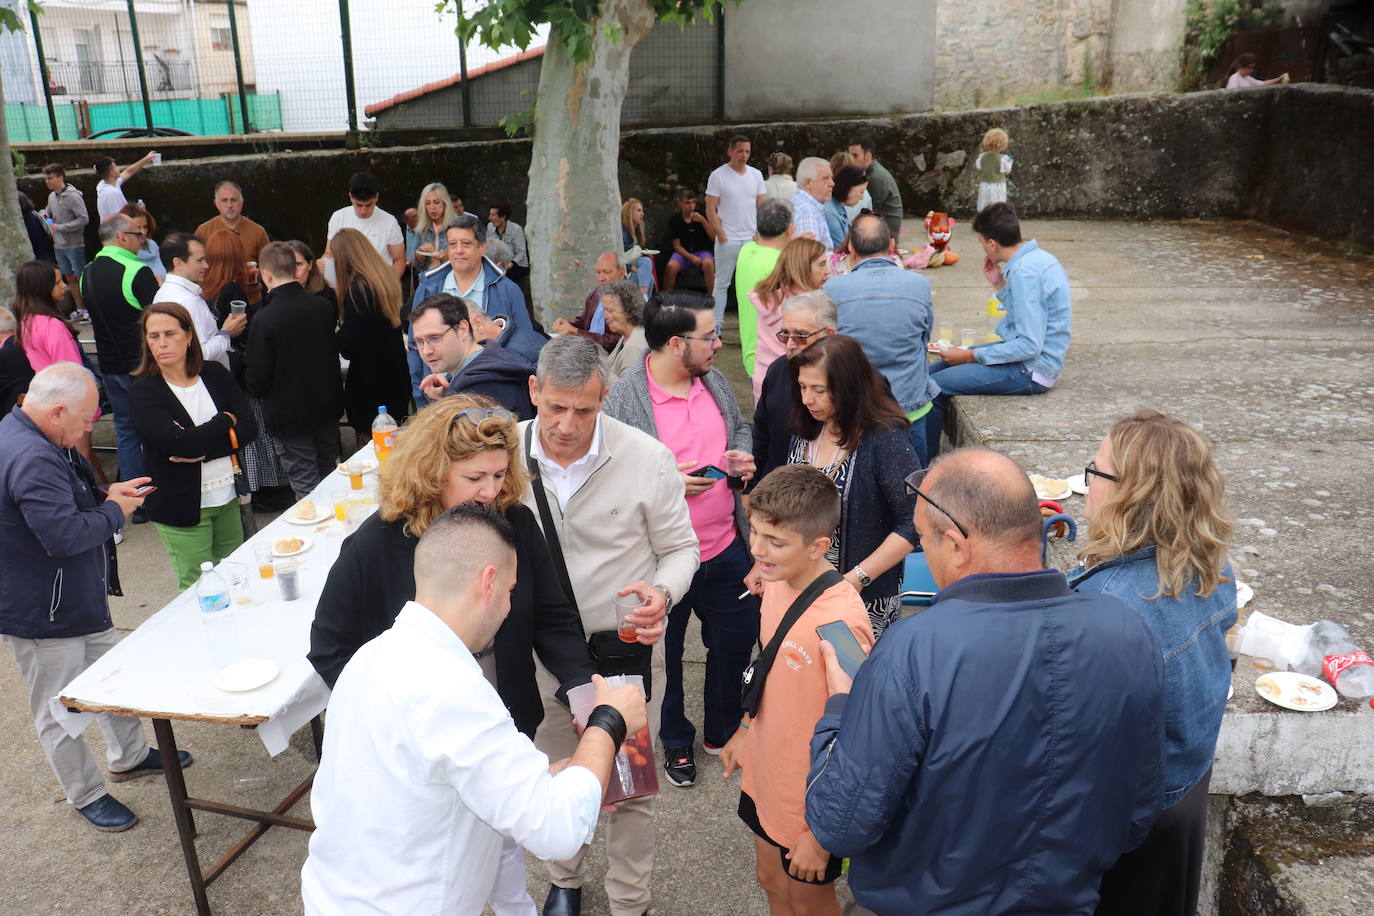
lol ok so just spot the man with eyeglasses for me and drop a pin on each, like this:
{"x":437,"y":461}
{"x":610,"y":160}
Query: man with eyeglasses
{"x":116,"y":286}
{"x":677,"y":397}
{"x":1000,"y":750}
{"x":806,"y":318}
{"x":462,"y":348}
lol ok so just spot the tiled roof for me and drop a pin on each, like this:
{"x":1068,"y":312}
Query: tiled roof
{"x":454,"y":80}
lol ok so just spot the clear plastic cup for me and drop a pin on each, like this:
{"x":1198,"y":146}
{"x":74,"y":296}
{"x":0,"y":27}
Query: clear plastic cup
{"x":289,"y":579}
{"x":634,"y":773}
{"x":237,"y":307}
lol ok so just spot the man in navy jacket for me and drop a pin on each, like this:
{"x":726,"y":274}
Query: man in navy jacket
{"x":56,"y":566}
{"x":1000,"y":750}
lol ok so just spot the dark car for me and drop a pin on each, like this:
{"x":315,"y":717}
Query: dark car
{"x":129,"y":133}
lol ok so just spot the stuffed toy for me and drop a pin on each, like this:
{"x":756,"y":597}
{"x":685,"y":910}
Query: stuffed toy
{"x":936,"y":253}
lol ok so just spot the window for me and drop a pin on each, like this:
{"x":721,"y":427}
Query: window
{"x":220,"y":39}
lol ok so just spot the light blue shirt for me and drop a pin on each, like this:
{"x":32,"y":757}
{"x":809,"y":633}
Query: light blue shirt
{"x":476,"y":294}
{"x":808,"y":216}
{"x":1036,"y":329}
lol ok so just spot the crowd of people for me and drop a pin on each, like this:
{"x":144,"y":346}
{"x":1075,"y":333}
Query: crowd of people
{"x":543,"y":481}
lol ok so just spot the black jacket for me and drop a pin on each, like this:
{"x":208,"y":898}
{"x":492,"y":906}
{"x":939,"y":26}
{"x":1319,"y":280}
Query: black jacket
{"x":374,"y":577}
{"x":167,"y":430}
{"x":376,"y":354}
{"x":500,"y":374}
{"x":15,"y":374}
{"x":293,"y":361}
{"x":114,"y":317}
{"x":772,"y":434}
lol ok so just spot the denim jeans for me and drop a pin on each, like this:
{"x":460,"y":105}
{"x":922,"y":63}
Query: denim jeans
{"x":127,"y":441}
{"x":643,"y":273}
{"x":729,"y":630}
{"x":726,"y":254}
{"x":972,"y":378}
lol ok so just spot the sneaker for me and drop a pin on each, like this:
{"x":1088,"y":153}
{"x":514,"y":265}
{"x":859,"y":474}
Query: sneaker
{"x":108,"y":815}
{"x":680,"y":766}
{"x":712,"y":749}
{"x":150,"y":765}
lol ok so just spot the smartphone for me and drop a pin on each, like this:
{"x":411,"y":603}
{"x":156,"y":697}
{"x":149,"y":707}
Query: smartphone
{"x":847,"y":648}
{"x":710,"y":471}
{"x":144,"y":490}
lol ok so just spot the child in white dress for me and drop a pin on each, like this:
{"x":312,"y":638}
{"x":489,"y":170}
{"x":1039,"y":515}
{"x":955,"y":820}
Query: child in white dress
{"x":993,"y":167}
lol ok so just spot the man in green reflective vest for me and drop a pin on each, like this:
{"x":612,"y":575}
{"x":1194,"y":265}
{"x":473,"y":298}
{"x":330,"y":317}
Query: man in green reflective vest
{"x":116,"y":286}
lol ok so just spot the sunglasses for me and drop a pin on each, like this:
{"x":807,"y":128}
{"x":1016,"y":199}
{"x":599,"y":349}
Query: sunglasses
{"x":913,"y":486}
{"x":479,"y":415}
{"x":798,"y":336}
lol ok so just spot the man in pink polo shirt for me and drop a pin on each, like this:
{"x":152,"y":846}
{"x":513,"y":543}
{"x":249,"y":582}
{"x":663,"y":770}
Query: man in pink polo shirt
{"x":676,"y":396}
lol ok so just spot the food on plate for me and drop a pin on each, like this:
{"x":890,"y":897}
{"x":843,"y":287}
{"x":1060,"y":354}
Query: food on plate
{"x":288,"y":545}
{"x":1049,"y":487}
{"x":1314,"y":689}
{"x":1300,"y":701}
{"x":1268,"y":687}
{"x":306,"y":510}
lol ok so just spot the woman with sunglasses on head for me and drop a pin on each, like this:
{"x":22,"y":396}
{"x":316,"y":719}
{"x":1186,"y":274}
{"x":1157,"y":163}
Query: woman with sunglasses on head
{"x":1157,"y":532}
{"x":846,"y":424}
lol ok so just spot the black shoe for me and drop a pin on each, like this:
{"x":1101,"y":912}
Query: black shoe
{"x":680,"y":766}
{"x":150,"y":765}
{"x":563,"y":901}
{"x":108,"y":815}
{"x":139,"y":516}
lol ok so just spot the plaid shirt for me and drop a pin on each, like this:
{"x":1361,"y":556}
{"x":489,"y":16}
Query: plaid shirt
{"x":515,"y":238}
{"x":808,"y":216}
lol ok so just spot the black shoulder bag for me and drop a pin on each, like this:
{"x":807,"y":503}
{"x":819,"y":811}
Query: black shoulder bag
{"x":609,"y":654}
{"x":751,"y":684}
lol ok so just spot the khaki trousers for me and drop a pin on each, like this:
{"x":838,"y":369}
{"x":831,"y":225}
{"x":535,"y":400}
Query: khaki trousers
{"x":630,"y":828}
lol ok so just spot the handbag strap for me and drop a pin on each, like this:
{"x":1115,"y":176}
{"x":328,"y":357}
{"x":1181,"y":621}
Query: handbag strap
{"x":234,"y":455}
{"x":825,"y":580}
{"x":546,"y":517}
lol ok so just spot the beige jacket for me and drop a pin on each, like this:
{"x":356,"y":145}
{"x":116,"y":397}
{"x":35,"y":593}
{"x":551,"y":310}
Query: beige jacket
{"x":627,"y":521}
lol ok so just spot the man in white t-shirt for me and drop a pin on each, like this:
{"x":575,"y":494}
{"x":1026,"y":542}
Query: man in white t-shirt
{"x":109,"y":190}
{"x":363,"y":214}
{"x":733,"y":193}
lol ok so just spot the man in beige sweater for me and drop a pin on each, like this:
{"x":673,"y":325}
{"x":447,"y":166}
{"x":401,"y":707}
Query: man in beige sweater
{"x":615,"y":500}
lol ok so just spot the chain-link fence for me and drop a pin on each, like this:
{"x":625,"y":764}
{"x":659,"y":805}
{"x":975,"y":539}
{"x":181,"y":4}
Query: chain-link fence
{"x":85,"y":68}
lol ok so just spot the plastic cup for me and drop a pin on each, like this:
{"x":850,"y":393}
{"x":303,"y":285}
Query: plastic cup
{"x":239,"y":581}
{"x":237,"y":307}
{"x":634,"y":773}
{"x":946,"y":334}
{"x":625,"y":606}
{"x":734,"y":470}
{"x":355,"y":475}
{"x":339,"y":497}
{"x":266,"y":562}
{"x":289,"y":579}
{"x":157,"y":159}
{"x":968,"y":337}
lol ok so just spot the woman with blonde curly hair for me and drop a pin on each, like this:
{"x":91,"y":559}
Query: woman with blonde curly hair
{"x":1158,"y":527}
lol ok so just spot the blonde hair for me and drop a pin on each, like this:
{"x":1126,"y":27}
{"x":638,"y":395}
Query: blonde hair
{"x":840,"y":160}
{"x":995,"y":141}
{"x":792,"y":274}
{"x":627,"y":219}
{"x":1169,"y":493}
{"x":422,"y":221}
{"x":413,"y":478}
{"x":356,"y":261}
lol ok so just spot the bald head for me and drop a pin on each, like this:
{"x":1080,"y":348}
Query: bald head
{"x":608,"y":268}
{"x":869,"y":237}
{"x":988,"y":493}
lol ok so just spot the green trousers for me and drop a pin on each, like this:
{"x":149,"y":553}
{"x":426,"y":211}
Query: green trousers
{"x":214,"y":537}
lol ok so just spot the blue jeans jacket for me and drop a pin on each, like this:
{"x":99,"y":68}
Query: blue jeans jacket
{"x":1036,"y":329}
{"x":1197,"y":669}
{"x":502,"y":297}
{"x":888,"y":311}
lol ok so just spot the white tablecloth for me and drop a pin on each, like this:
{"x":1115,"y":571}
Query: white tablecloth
{"x":163,"y":669}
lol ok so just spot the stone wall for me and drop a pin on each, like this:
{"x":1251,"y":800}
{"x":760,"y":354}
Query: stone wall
{"x":1292,"y":155}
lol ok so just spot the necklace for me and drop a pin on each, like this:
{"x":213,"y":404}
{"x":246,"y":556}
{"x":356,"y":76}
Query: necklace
{"x":817,"y":456}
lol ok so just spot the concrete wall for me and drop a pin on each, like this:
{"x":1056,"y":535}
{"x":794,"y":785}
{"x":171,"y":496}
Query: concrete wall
{"x":807,"y":58}
{"x":1142,"y":44}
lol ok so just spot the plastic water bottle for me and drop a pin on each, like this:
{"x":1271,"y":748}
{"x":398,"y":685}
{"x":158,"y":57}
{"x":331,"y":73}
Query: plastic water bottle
{"x":217,"y":614}
{"x":383,"y":433}
{"x":1331,"y":653}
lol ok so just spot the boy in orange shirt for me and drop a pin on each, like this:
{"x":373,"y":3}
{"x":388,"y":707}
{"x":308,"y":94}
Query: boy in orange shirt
{"x":792,"y":514}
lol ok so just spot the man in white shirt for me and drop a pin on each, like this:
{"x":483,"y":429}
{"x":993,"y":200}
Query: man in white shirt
{"x":614,"y":510}
{"x":363,"y":214}
{"x":733,"y":194}
{"x":815,"y":185}
{"x":424,"y":772}
{"x":109,"y":190}
{"x":184,"y":257}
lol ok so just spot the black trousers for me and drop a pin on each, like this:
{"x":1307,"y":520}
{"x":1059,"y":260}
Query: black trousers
{"x":1161,"y":876}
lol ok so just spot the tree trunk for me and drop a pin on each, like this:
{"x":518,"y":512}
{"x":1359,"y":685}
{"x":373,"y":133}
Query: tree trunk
{"x":574,"y":195}
{"x":14,"y":238}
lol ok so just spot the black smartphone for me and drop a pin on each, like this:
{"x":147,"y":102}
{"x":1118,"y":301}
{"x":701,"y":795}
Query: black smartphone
{"x":847,"y":649}
{"x":709,"y":470}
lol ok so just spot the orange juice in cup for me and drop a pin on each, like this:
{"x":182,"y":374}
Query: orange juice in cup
{"x":340,"y":500}
{"x":354,"y":470}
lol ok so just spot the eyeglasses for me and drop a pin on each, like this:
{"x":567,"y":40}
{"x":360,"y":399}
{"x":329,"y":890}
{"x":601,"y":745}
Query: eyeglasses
{"x":1091,"y":471}
{"x":913,"y":485}
{"x":479,"y":415}
{"x":709,"y":338}
{"x":784,"y":336}
{"x":135,"y":233}
{"x":420,"y":343}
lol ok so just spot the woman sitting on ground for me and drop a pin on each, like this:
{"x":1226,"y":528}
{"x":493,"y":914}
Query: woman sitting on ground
{"x":624,"y":309}
{"x":801,"y":267}
{"x":370,"y":336}
{"x":1157,"y":532}
{"x":845,"y":423}
{"x":184,"y":408}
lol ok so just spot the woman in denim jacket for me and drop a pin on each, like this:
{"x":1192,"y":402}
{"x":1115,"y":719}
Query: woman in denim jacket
{"x":1156,"y":507}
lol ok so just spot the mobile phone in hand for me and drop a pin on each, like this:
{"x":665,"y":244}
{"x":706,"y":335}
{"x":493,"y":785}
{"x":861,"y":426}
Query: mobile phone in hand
{"x":144,"y":490}
{"x":847,"y":649}
{"x":709,"y":471}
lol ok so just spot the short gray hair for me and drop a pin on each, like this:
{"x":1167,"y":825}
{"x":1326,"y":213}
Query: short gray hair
{"x":569,"y":361}
{"x":498,"y":252}
{"x":466,"y":220}
{"x":61,"y":384}
{"x":630,"y":298}
{"x":774,"y":216}
{"x":817,"y":302}
{"x":7,"y":323}
{"x":810,"y":167}
{"x":113,"y":226}
{"x":226,"y":181}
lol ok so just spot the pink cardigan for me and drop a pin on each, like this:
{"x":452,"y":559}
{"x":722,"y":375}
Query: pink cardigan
{"x":48,"y":340}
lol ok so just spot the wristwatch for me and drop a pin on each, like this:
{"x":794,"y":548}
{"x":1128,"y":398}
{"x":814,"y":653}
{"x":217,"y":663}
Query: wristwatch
{"x":667,"y":597}
{"x":865,"y":580}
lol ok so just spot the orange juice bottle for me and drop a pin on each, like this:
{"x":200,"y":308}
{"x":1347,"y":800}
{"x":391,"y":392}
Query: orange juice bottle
{"x":383,"y":434}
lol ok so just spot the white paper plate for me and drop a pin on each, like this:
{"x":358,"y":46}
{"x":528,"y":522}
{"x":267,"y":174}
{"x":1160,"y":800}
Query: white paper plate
{"x":1078,"y":484}
{"x":1042,"y":493}
{"x":1292,"y":690}
{"x":322,"y":514}
{"x":1243,"y":594}
{"x":305,"y":545}
{"x":367,"y":467}
{"x":249,"y":674}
